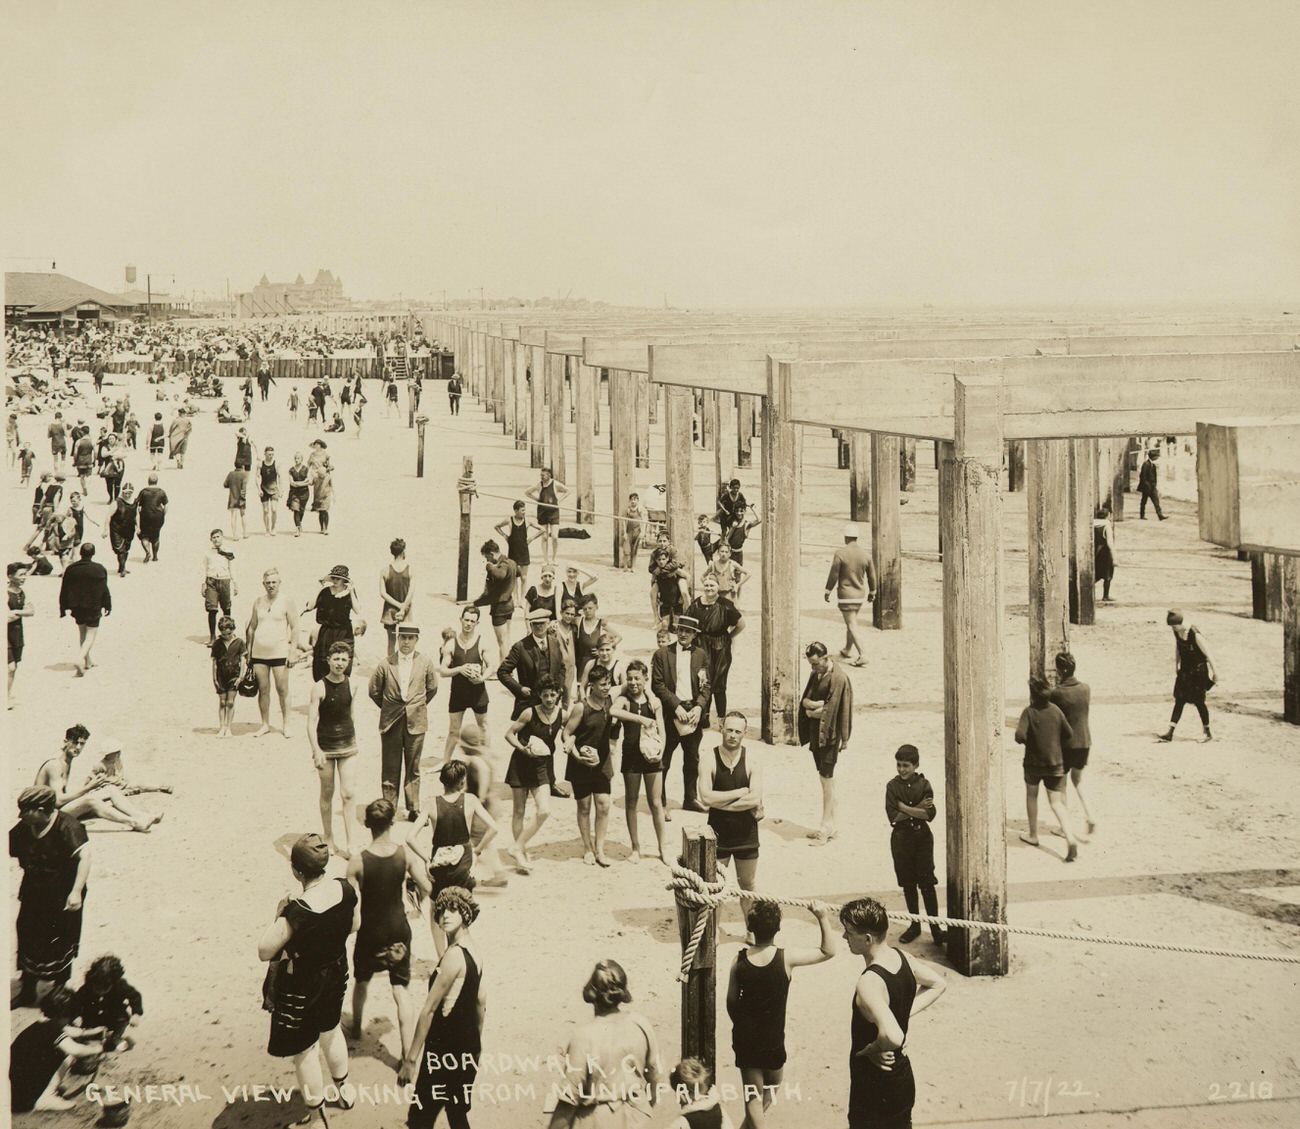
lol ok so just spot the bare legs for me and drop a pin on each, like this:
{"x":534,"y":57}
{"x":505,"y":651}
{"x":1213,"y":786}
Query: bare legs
{"x":523,"y":833}
{"x":455,"y":721}
{"x":347,"y":778}
{"x":306,"y":1066}
{"x":86,"y":642}
{"x":593,"y":841}
{"x":401,"y":998}
{"x":237,"y":526}
{"x":225,"y":712}
{"x":1076,"y":778}
{"x":1056,"y":800}
{"x":759,"y":1088}
{"x":654,"y":800}
{"x":265,"y":676}
{"x":269,"y":516}
{"x":111,"y":804}
{"x":852,"y":637}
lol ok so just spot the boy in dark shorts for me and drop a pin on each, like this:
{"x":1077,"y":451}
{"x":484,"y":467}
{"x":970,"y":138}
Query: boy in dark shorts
{"x":1073,"y":698}
{"x":1045,"y":734}
{"x":499,"y":592}
{"x":909,"y":807}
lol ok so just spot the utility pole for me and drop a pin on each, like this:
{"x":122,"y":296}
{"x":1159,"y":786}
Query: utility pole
{"x":148,"y":283}
{"x":482,"y":304}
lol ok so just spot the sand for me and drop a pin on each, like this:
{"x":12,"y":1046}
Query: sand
{"x":1196,"y":842}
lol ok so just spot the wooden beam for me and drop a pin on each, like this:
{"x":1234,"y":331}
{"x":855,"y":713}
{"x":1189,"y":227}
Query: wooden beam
{"x":779,"y":570}
{"x":725,"y":446}
{"x":621,"y":411}
{"x":859,"y":476}
{"x":558,"y":417}
{"x":679,"y":478}
{"x":1047,"y":478}
{"x":1083,"y":503}
{"x":641,"y":382}
{"x":1290,"y":578}
{"x":886,"y":544}
{"x":584,"y":389}
{"x":745,"y":408}
{"x":975,"y":816}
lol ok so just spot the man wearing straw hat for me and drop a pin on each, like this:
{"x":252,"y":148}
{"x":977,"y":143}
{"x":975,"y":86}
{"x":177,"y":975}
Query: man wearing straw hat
{"x":402,"y":687}
{"x":679,"y":678}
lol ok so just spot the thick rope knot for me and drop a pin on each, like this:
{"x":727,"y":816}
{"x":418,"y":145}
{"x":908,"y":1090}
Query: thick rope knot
{"x":700,"y":898}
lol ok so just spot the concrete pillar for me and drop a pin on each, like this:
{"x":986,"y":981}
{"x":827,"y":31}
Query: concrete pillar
{"x":724,"y":449}
{"x":522,"y":404}
{"x":1290,"y":583}
{"x":584,"y":404}
{"x":780,"y":674}
{"x":1016,"y":466}
{"x":1047,"y":481}
{"x":558,"y":417}
{"x":641,"y":382}
{"x":679,"y":478}
{"x":537,"y":406}
{"x":1083,"y":503}
{"x":745,"y":429}
{"x":886,"y":544}
{"x":860,"y":475}
{"x":973,"y":674}
{"x":907,"y":464}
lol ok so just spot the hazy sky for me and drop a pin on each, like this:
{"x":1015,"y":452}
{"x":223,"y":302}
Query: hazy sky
{"x":786,"y":153}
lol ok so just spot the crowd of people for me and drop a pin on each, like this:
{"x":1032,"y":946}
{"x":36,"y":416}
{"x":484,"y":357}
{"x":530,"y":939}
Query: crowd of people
{"x":583,"y":716}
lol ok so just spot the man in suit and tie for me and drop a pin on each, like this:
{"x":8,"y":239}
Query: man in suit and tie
{"x":1147,"y":479}
{"x":679,"y":678}
{"x":402,"y":687}
{"x":536,"y":656}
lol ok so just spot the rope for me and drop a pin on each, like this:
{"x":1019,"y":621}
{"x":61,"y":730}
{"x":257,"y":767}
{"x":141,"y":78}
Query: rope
{"x":462,"y":483}
{"x":702,"y":898}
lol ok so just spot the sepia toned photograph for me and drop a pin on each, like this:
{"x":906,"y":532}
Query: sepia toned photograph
{"x":728,"y":565}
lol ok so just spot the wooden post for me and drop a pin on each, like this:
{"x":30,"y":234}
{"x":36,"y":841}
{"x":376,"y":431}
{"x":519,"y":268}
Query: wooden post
{"x":537,"y":403}
{"x":508,"y":385}
{"x":724,"y":449}
{"x":465,"y":489}
{"x":1266,"y":586}
{"x":699,"y":993}
{"x":654,"y":401}
{"x":595,"y":400}
{"x":521,"y":395}
{"x":886,"y":546}
{"x":679,"y":477}
{"x":971,"y":521}
{"x":1083,"y":503}
{"x":583,"y":406}
{"x":420,"y":421}
{"x":641,"y":382}
{"x":708,"y":419}
{"x":1290,"y":576}
{"x":621,"y":397}
{"x":1016,"y":466}
{"x":1047,"y":479}
{"x":907,"y":464}
{"x":860,"y":475}
{"x":779,"y":672}
{"x":744,"y":430}
{"x":558,"y":416}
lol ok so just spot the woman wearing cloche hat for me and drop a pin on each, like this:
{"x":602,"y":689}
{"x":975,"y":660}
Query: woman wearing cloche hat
{"x":338,"y":618}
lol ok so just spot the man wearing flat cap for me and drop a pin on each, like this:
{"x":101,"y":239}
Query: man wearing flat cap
{"x":402,"y":687}
{"x":536,"y":656}
{"x":52,"y":849}
{"x":852,"y":579}
{"x":679,"y":678}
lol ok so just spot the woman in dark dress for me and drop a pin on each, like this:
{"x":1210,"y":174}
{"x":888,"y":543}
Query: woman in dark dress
{"x":1103,"y":558}
{"x":642,"y":719}
{"x":449,"y":1032}
{"x":882,"y":1089}
{"x":334,"y":608}
{"x":120,"y":528}
{"x":299,"y":491}
{"x":54,"y":854}
{"x":586,"y":739}
{"x":720,"y":622}
{"x":268,"y":484}
{"x":532,"y":736}
{"x":544,"y":593}
{"x":380,"y":873}
{"x":1194,"y":673}
{"x":308,"y":942}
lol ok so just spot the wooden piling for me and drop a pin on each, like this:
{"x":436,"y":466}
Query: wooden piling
{"x":537,"y":401}
{"x":583,"y":406}
{"x":860,"y":475}
{"x":1290,"y":583}
{"x":1047,"y":479}
{"x":708,"y":419}
{"x":678,"y":470}
{"x":971,"y":522}
{"x":465,"y":490}
{"x":521,"y":396}
{"x":886,"y":544}
{"x":621,"y":407}
{"x":745,"y":429}
{"x":907,"y":464}
{"x":1016,"y":466}
{"x":558,"y":416}
{"x":779,"y":670}
{"x":641,"y":382}
{"x":1083,"y":503}
{"x":724,"y":449}
{"x":699,"y":993}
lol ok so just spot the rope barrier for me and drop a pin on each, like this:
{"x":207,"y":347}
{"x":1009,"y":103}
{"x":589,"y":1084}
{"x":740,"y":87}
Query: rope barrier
{"x":694,"y":894}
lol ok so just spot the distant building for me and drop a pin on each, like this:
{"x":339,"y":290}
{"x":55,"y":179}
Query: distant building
{"x":43,"y":297}
{"x":324,"y":292}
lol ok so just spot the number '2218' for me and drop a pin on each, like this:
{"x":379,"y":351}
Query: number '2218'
{"x":1240,"y":1091}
